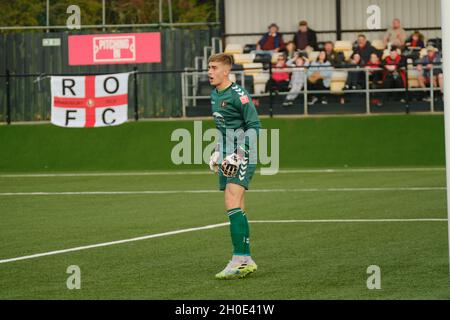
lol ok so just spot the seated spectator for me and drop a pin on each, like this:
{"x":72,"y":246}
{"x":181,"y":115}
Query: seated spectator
{"x":336,"y":58}
{"x":280,"y":77}
{"x":355,"y":79}
{"x":305,"y":37}
{"x":297,"y":79}
{"x":424,"y":66}
{"x":364,"y":49}
{"x":394,"y":77}
{"x":290,"y":50}
{"x":272,"y":41}
{"x":375,"y":76}
{"x":415,"y":41}
{"x":319,"y":77}
{"x":396,"y":35}
{"x":413,"y":46}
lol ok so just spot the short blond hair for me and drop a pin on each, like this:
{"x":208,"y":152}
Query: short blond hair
{"x":222,"y":58}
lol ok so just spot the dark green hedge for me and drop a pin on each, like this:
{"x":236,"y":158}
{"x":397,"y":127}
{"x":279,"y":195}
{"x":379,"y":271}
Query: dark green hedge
{"x":331,"y":142}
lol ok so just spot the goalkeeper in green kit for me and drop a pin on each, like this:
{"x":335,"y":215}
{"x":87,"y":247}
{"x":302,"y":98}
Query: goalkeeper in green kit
{"x":235,"y":158}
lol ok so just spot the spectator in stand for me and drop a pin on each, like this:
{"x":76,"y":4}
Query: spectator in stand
{"x":290,"y":50}
{"x":319,"y":77}
{"x":272,"y":41}
{"x":280,"y":77}
{"x":396,"y":35}
{"x":305,"y":37}
{"x":424,"y":66}
{"x":298,"y":63}
{"x":355,"y":79}
{"x":415,"y":41}
{"x":364,"y":49}
{"x":336,"y":58}
{"x":375,"y":76}
{"x":394,"y":77}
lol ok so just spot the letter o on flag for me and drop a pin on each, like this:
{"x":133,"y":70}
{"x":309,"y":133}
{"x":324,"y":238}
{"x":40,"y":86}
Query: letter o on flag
{"x":107,"y":86}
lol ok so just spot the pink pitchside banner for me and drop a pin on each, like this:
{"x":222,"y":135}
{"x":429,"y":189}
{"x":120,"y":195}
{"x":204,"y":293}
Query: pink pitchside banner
{"x":119,"y":48}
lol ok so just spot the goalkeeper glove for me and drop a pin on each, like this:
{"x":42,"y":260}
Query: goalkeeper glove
{"x":230,"y":165}
{"x":213,"y":165}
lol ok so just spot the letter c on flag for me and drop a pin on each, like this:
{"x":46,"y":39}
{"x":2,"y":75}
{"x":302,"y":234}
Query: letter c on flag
{"x":104,"y":116}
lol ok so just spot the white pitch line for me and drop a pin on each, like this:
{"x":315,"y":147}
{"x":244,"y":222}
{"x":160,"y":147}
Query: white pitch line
{"x":212,"y":226}
{"x":101,"y":193}
{"x":349,"y":220}
{"x":206,"y":172}
{"x":106,"y":244}
{"x":97,"y":193}
{"x":105,"y":174}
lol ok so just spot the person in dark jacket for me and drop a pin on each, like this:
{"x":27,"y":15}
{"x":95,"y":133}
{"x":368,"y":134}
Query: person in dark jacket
{"x":364,"y":49}
{"x":336,"y":58}
{"x":355,"y":79}
{"x":272,"y":40}
{"x":305,"y":37}
{"x":394,"y":76}
{"x":416,"y":40}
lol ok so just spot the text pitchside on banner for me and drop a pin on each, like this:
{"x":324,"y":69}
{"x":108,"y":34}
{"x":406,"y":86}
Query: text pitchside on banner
{"x":122,"y":48}
{"x":89,"y":101}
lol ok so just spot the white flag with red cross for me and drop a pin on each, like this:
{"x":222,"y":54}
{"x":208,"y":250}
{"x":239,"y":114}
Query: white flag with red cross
{"x":90,"y":101}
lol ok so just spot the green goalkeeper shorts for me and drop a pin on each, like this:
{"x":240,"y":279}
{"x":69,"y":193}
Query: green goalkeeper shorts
{"x":242,"y":178}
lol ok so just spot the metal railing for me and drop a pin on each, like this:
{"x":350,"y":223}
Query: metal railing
{"x":115,"y":26}
{"x":191,"y":77}
{"x":189,"y":86}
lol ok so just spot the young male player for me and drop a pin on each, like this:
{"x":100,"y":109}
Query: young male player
{"x":233,"y":110}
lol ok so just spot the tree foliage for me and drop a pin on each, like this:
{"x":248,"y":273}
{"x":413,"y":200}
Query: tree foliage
{"x":22,"y":13}
{"x":33,"y":12}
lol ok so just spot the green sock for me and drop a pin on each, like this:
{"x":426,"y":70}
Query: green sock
{"x":247,"y":235}
{"x":239,"y":232}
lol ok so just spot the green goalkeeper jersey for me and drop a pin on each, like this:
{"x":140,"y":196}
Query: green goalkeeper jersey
{"x":232,"y":108}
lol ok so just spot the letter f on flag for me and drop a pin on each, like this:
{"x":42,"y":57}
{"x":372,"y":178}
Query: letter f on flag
{"x":89,"y":101}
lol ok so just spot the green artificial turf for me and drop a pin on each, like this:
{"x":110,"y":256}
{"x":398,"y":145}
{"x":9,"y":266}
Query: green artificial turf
{"x":296,"y":260}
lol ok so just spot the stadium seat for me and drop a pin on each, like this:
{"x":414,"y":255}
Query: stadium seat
{"x":233,"y":48}
{"x":275,"y":56}
{"x":259,"y":82}
{"x":338,"y":79}
{"x":342,"y":46}
{"x":249,"y":84}
{"x":378,"y":44}
{"x":347,"y":54}
{"x":434,"y":42}
{"x":413,"y":81}
{"x":236,"y":77}
{"x":252,"y":68}
{"x":249,"y":47}
{"x":243,"y":58}
{"x":312,"y":55}
{"x":203,"y":88}
{"x":237,"y":67}
{"x":321,"y":45}
{"x":423,"y":53}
